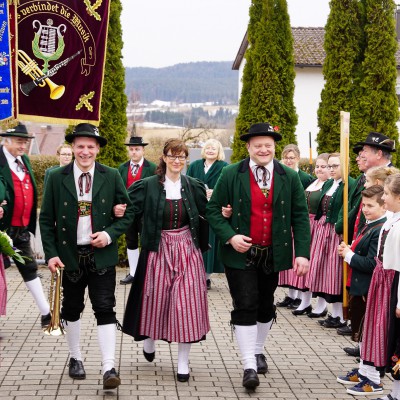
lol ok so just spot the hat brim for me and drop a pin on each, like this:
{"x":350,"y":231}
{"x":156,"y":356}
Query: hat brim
{"x":101,"y":140}
{"x":275,"y":135}
{"x":379,"y":146}
{"x":16,"y":134}
{"x":136,"y":144}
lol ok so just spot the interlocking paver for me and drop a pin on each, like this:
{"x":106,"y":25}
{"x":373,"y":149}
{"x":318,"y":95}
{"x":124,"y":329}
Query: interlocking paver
{"x":303,"y":357}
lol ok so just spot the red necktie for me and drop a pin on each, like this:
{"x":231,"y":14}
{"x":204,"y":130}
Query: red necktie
{"x":88,"y":183}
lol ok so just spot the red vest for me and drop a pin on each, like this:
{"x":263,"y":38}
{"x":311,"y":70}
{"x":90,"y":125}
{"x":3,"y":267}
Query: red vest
{"x":23,"y":200}
{"x":130,"y":179}
{"x":260,"y":213}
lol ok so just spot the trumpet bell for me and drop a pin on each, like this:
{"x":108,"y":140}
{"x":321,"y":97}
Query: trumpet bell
{"x":56,"y":91}
{"x":53,"y":331}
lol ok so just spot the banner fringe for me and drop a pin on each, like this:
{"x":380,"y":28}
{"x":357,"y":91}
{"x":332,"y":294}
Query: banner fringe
{"x":56,"y":121}
{"x":8,"y":123}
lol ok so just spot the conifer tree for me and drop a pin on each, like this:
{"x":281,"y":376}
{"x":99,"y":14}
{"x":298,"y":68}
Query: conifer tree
{"x":268,"y":80}
{"x":343,"y":37}
{"x":113,"y":122}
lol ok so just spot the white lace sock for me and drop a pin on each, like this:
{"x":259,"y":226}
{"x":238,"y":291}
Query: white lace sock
{"x":36,"y":289}
{"x":246,"y":337}
{"x":320,"y":306}
{"x":73,"y":336}
{"x":183,"y":357}
{"x":149,"y":345}
{"x":337,"y":310}
{"x":292,"y":294}
{"x":107,"y":337}
{"x":133,"y":257}
{"x":305,"y":300}
{"x":262,"y":333}
{"x":373,"y":374}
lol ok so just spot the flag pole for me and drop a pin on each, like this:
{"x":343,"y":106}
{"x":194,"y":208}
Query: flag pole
{"x":310,"y":158}
{"x":344,"y":162}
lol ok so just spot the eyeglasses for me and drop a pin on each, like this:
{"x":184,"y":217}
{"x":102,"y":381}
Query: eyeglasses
{"x":289,"y":158}
{"x":321,"y":166}
{"x":173,"y":158}
{"x":66,"y":155}
{"x":333,"y":166}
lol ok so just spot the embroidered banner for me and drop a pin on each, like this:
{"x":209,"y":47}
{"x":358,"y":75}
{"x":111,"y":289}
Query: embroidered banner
{"x":61,"y":47}
{"x":6,"y":103}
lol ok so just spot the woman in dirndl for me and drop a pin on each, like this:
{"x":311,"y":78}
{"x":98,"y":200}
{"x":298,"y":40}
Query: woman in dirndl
{"x":326,"y":267}
{"x":288,"y":278}
{"x":3,"y":281}
{"x":168,"y":298}
{"x":208,"y":170}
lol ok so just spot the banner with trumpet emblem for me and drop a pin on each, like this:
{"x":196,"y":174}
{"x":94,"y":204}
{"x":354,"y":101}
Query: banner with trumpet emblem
{"x":60,"y":57}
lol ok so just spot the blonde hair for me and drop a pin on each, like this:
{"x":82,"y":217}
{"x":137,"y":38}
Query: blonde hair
{"x":63,"y":146}
{"x":393,"y":184}
{"x":381,"y":173}
{"x":291,"y":147}
{"x":217,"y":144}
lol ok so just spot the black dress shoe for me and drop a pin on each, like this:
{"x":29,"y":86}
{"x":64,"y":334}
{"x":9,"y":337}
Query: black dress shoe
{"x":262,"y":366}
{"x":76,"y":370}
{"x":344,"y":331}
{"x":352,"y":351}
{"x":317,"y":315}
{"x":250,"y":379}
{"x":295,"y":304}
{"x":208,"y":284}
{"x":334,"y":323}
{"x":303,"y":311}
{"x":127,"y":280}
{"x":149,"y":356}
{"x":182,"y":377}
{"x":322,"y":321}
{"x":111,"y":379}
{"x":285,"y":302}
{"x":45,"y":320}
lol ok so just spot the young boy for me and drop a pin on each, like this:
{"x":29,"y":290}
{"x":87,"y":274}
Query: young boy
{"x":361,"y":258}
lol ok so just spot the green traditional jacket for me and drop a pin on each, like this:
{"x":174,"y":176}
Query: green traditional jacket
{"x":59,"y":215}
{"x":290,"y":214}
{"x":148,"y":197}
{"x":5,"y":172}
{"x":305,"y":179}
{"x":196,"y":170}
{"x":148,"y":169}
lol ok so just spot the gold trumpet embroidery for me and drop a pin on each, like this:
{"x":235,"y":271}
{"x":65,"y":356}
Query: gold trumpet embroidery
{"x":84,"y":101}
{"x":90,"y":8}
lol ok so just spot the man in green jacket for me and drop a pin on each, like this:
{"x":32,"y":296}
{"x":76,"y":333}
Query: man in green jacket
{"x":268,"y":207}
{"x":131,"y":171}
{"x":79,"y":234}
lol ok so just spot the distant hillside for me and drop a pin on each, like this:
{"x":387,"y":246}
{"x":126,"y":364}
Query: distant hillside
{"x":195,"y":82}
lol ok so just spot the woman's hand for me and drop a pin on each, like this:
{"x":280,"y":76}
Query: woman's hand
{"x":227,"y":211}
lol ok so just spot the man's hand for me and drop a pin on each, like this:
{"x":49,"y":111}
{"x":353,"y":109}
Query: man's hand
{"x":99,"y":239}
{"x":119,"y":210}
{"x":301,"y":266}
{"x":3,"y":203}
{"x":240,"y":243}
{"x":55,"y":263}
{"x":343,"y":249}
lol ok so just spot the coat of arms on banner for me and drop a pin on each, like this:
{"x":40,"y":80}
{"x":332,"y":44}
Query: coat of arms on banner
{"x":60,"y":59}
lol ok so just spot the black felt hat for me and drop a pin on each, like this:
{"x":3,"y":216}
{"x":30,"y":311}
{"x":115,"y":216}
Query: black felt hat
{"x":136,"y":141}
{"x":18,"y":131}
{"x":375,"y":139}
{"x":86,"y":130}
{"x":357,"y":148}
{"x":262,"y":129}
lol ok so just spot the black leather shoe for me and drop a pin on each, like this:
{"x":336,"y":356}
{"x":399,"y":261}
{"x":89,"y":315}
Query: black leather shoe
{"x":334,"y":323}
{"x":285,"y":302}
{"x":262,"y":366}
{"x":182,"y":377}
{"x":344,"y":331}
{"x":295,"y":304}
{"x":149,"y":356}
{"x":250,"y":379}
{"x":76,"y":370}
{"x":328,"y":318}
{"x":111,"y":379}
{"x":45,"y":320}
{"x":208,"y":284}
{"x":352,"y":351}
{"x":127,"y":280}
{"x":303,"y":311}
{"x":317,"y":315}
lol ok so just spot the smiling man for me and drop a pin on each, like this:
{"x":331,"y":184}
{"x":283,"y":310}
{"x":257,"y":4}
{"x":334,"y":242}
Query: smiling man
{"x":268,"y":206}
{"x":79,"y":233}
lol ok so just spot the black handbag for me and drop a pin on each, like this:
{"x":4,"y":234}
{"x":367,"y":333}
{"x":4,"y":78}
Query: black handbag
{"x":204,"y":228}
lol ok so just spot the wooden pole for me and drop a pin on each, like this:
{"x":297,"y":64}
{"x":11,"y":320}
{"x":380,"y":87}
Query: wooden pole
{"x":310,"y":158}
{"x":344,"y":162}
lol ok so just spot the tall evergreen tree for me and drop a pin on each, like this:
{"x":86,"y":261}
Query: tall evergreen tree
{"x":268,"y":77}
{"x":343,"y":37}
{"x":113,"y":123}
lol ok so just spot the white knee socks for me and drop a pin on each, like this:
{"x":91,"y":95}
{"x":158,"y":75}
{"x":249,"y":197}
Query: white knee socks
{"x":183,"y":357}
{"x":36,"y":289}
{"x":337,"y":310}
{"x":246,"y":337}
{"x":262,"y":333}
{"x":305,"y":300}
{"x":320,"y":307}
{"x":107,"y":338}
{"x":73,"y":336}
{"x":292,"y":294}
{"x":133,"y":257}
{"x":149,"y":345}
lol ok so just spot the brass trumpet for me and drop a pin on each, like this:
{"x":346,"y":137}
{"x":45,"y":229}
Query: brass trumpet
{"x":29,"y":67}
{"x":55,"y":328}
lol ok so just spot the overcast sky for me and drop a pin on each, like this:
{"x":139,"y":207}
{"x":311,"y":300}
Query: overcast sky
{"x":160,"y":33}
